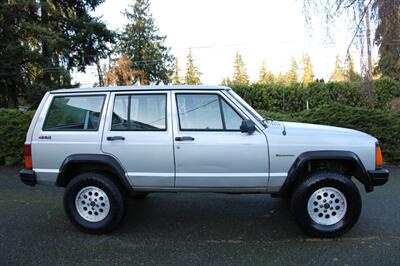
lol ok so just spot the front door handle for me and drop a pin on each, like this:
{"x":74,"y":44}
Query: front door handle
{"x":115,"y":138}
{"x":184,"y":138}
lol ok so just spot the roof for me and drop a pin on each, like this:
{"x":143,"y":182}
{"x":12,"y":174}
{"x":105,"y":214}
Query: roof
{"x":141,"y":88}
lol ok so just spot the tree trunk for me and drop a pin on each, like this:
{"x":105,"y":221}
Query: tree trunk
{"x":45,"y":46}
{"x":368,"y":33}
{"x":100,"y":73}
{"x":368,"y":81}
{"x":12,"y":98}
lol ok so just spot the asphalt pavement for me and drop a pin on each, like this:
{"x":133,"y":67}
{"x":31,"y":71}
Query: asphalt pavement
{"x":192,"y":229}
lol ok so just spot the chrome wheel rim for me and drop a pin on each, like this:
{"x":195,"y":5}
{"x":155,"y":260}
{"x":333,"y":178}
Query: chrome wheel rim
{"x":92,"y":204}
{"x":327,"y":206}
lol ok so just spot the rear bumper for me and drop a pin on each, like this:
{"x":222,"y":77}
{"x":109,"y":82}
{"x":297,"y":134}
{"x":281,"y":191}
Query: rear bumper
{"x":379,"y":176}
{"x":28,"y":177}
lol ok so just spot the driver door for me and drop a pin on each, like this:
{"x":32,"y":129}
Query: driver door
{"x":210,"y":150}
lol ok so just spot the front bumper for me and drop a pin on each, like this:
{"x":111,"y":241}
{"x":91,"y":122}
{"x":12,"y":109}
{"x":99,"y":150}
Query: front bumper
{"x":379,"y":176}
{"x":28,"y":177}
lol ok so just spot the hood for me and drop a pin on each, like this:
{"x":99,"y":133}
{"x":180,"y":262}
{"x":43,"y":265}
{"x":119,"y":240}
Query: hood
{"x":303,"y":129}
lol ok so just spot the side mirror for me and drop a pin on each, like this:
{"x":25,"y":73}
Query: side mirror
{"x":247,"y":126}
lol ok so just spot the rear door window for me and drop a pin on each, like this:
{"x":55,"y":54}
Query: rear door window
{"x":140,"y":112}
{"x":74,"y":113}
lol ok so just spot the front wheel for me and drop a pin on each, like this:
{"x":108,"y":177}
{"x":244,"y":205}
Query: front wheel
{"x":326,"y":204}
{"x":94,"y":203}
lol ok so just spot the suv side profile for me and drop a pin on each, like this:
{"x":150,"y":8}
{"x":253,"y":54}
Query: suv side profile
{"x":105,"y":144}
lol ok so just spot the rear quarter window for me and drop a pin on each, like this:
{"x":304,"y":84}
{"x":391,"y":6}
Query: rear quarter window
{"x":74,"y":113}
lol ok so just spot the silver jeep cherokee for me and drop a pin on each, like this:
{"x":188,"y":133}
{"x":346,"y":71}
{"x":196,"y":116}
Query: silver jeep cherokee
{"x":103,"y":144}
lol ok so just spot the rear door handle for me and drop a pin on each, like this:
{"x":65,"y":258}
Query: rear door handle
{"x":115,"y":138}
{"x":184,"y":138}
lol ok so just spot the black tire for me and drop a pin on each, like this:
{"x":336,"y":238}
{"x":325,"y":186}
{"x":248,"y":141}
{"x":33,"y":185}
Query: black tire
{"x":138,"y":195}
{"x":116,"y":200}
{"x":325,"y":179}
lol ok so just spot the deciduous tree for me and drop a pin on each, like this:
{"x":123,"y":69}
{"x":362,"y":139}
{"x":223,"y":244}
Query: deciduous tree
{"x":365,"y":16}
{"x":121,"y":73}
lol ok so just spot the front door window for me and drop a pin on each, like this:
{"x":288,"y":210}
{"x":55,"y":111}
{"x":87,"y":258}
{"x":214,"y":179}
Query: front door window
{"x":206,"y":112}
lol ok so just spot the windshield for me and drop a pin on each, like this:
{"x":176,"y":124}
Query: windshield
{"x":247,"y":107}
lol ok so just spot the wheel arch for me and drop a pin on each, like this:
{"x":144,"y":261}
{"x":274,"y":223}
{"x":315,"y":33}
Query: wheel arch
{"x":78,"y":163}
{"x":333,"y":160}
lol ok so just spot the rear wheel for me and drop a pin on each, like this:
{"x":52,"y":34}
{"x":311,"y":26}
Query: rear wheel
{"x":326,"y":204}
{"x":94,"y":203}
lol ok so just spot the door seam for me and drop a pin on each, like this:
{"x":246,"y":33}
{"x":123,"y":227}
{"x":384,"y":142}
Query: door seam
{"x":173,"y":134}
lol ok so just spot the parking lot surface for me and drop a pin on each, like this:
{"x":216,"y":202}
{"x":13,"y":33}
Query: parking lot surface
{"x":192,"y":229}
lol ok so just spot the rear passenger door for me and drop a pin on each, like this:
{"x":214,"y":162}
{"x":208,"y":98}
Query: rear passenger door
{"x":210,"y":150}
{"x":138,"y":133}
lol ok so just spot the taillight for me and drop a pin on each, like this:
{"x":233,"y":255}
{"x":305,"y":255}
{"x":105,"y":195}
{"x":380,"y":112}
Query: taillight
{"x":28,"y":156}
{"x":378,"y":156}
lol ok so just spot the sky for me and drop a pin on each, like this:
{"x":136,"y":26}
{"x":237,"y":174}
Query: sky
{"x":215,"y":30}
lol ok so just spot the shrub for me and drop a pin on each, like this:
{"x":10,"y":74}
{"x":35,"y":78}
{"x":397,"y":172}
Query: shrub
{"x":383,"y":125}
{"x":293,"y":98}
{"x":13,"y":127}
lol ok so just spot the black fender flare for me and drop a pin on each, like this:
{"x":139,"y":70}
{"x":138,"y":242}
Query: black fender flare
{"x":106,"y":160}
{"x":360,"y":173}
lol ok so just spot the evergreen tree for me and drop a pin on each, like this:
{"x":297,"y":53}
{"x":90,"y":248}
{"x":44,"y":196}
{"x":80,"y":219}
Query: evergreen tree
{"x":226,"y":81}
{"x":176,"y":79}
{"x":292,"y":75}
{"x":42,"y":41}
{"x":265,"y":76}
{"x":387,"y":37}
{"x":13,"y":51}
{"x":350,"y":72}
{"x":307,"y":69}
{"x":338,"y":74}
{"x":144,"y":46}
{"x":281,"y":78}
{"x":240,"y":76}
{"x":193,"y":74}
